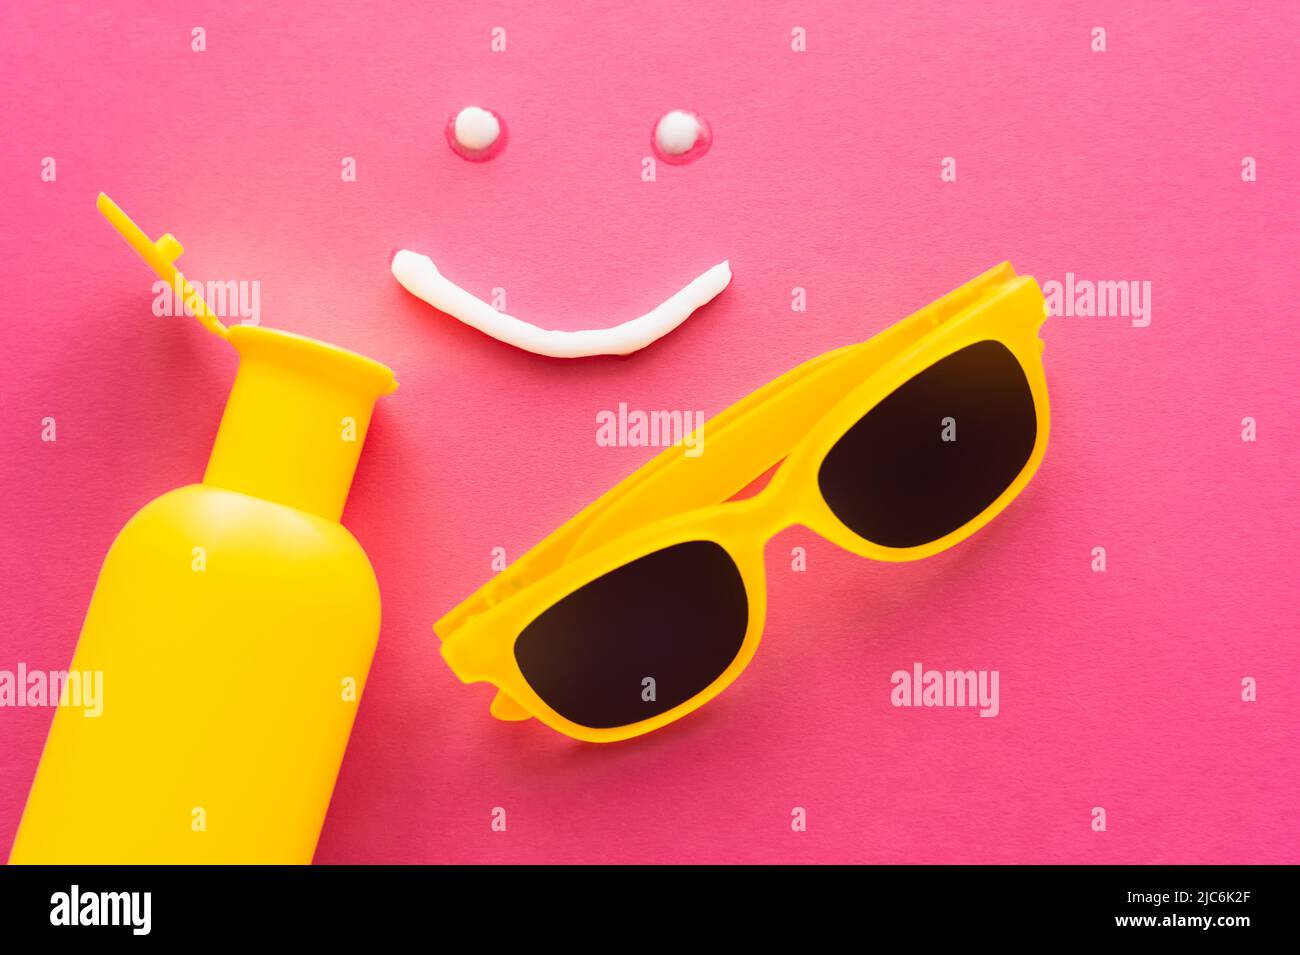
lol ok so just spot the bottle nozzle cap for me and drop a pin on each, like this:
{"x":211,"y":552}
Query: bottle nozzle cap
{"x":161,"y":256}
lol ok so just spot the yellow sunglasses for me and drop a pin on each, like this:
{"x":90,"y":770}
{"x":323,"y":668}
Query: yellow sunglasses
{"x":650,"y":601}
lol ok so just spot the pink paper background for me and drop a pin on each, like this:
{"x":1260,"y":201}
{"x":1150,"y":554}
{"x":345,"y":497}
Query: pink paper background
{"x":1119,"y":690}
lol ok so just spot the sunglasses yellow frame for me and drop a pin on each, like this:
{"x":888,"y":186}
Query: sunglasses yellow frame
{"x":672,"y":499}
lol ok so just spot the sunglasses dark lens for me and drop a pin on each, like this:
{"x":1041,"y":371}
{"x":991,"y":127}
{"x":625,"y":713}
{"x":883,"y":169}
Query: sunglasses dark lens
{"x":936,"y":452}
{"x":639,"y":640}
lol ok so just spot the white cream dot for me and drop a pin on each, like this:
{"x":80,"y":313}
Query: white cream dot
{"x":677,"y":132}
{"x":476,"y":128}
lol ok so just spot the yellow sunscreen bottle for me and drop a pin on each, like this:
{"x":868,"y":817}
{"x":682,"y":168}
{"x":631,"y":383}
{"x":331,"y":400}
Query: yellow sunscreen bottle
{"x":233,"y":623}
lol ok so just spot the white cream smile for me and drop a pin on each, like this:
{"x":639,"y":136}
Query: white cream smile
{"x":421,"y":278}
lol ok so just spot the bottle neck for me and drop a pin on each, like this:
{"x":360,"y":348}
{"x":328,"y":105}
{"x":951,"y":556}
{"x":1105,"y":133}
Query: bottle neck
{"x":295,"y":420}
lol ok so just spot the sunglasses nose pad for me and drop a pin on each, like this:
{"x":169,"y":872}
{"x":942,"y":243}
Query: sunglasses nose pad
{"x":505,"y":708}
